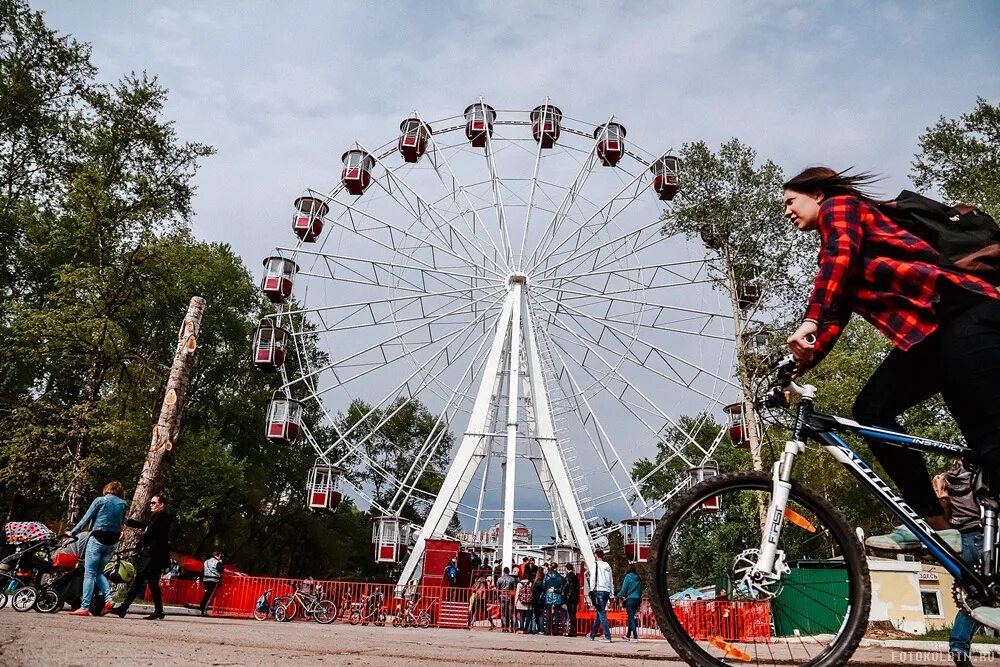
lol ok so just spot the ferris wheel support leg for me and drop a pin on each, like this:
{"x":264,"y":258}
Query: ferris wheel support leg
{"x":547,"y":443}
{"x":470,"y":451}
{"x":513,"y":383}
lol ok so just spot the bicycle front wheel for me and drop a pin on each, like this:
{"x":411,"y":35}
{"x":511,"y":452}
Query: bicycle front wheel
{"x":326,"y":612}
{"x":813,"y":611}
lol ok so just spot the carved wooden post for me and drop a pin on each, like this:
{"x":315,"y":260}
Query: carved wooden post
{"x":168,"y":426}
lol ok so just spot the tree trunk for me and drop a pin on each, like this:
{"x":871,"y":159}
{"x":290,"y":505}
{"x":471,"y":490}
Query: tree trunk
{"x":168,"y":426}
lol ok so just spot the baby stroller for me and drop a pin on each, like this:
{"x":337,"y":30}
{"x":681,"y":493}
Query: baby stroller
{"x":69,"y":584}
{"x":22,"y":572}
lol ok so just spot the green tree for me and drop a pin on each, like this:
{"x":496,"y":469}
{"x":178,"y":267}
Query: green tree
{"x":961,"y":158}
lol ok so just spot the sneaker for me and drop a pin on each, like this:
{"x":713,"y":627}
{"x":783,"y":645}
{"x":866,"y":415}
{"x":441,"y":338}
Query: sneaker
{"x":605,"y":640}
{"x":82,"y":611}
{"x":591,"y":637}
{"x":903,"y":539}
{"x":108,"y":606}
{"x":988,"y":616}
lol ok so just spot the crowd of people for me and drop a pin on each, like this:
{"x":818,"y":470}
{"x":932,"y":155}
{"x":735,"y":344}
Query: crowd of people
{"x":534,"y":598}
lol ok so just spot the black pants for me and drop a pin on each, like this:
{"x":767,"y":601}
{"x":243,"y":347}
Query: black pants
{"x":961,"y":361}
{"x":210,"y":587}
{"x":571,"y":613}
{"x":148,"y":576}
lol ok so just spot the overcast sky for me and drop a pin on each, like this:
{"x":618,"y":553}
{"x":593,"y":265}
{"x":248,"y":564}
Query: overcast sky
{"x":282,"y":88}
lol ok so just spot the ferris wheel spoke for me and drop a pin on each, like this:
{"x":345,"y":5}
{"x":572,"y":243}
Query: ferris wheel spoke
{"x":664,"y":355}
{"x":381,"y":344}
{"x":395,"y":231}
{"x":404,"y":301}
{"x":569,"y":199}
{"x":460,"y":390}
{"x":477,"y":225}
{"x":497,"y":197}
{"x":354,"y":448}
{"x":593,"y":347}
{"x":594,"y":225}
{"x":602,"y":434}
{"x":401,"y":194}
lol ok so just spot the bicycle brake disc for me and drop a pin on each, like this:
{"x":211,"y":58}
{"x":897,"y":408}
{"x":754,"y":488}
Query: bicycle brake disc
{"x":751,"y":584}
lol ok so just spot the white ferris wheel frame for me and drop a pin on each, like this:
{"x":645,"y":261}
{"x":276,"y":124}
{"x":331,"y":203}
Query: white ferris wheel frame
{"x":483,"y":275}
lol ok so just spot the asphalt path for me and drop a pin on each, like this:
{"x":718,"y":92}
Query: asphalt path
{"x":59,"y":639}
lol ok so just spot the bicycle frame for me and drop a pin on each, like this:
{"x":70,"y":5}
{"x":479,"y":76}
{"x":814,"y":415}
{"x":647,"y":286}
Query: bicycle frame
{"x":824,"y":429}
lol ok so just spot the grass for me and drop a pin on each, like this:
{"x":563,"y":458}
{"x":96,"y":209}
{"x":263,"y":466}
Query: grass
{"x":941,"y":635}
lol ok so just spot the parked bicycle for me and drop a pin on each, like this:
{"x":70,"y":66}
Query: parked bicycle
{"x":370,"y":610}
{"x":410,"y":614}
{"x":287,"y":608}
{"x":798,"y":581}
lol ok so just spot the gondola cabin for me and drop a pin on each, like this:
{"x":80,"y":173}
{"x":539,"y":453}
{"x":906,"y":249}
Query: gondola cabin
{"x":390,"y":538}
{"x":278,"y":276}
{"x":284,"y":420}
{"x":324,"y":487}
{"x":545,"y":124}
{"x":747,"y":277}
{"x":561,"y":554}
{"x":413,"y":138}
{"x":610,"y":143}
{"x":269,"y":347}
{"x":637,"y":534}
{"x":665,"y":173}
{"x":479,"y":119}
{"x":699,"y":474}
{"x":739,"y":432}
{"x":357,"y":173}
{"x":307,"y":222}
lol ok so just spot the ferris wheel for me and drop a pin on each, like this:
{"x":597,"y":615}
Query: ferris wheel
{"x":505,"y":268}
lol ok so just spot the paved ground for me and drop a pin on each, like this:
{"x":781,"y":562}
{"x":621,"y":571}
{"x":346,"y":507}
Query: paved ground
{"x":60,"y":639}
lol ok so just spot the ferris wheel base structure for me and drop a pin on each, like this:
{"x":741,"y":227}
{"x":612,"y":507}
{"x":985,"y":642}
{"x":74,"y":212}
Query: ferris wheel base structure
{"x":514,"y":340}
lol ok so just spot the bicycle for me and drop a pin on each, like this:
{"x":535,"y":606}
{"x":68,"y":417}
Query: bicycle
{"x":322,"y":611}
{"x":408,"y":616}
{"x":371,"y":609}
{"x":799,"y":580}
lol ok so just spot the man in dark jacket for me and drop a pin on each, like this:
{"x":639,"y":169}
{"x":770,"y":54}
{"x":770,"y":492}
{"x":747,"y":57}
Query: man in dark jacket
{"x":571,"y":596}
{"x":153,"y":557}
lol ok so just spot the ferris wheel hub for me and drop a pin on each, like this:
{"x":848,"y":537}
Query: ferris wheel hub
{"x":517,"y":278}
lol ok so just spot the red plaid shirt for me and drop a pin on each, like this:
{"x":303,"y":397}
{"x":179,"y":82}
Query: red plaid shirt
{"x":871,"y":266}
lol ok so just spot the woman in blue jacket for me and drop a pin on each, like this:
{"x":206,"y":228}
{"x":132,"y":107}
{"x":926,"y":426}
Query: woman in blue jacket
{"x":104,"y":519}
{"x":631,"y":594}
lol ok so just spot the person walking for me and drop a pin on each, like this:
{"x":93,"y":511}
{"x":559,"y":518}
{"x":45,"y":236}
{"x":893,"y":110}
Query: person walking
{"x":553,"y":600}
{"x":154,"y":557}
{"x":505,"y":589}
{"x":571,"y":598}
{"x":211,"y":577}
{"x":601,"y":586}
{"x":104,"y":520}
{"x":964,"y":516}
{"x":538,"y":601}
{"x":631,"y":595}
{"x":524,"y":604}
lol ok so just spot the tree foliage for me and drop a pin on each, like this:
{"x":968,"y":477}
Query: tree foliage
{"x":961,"y":158}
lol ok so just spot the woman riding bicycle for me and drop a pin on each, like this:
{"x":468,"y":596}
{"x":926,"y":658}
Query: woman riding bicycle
{"x":944,"y":325}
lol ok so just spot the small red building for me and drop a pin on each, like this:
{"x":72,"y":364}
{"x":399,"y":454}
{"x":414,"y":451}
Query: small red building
{"x":357,"y":173}
{"x":278,"y":276}
{"x":307,"y":222}
{"x":545,"y":124}
{"x":413,"y":138}
{"x":479,"y":119}
{"x":610,"y":143}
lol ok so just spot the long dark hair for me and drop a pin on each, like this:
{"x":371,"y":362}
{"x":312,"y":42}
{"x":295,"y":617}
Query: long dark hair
{"x":832,"y":183}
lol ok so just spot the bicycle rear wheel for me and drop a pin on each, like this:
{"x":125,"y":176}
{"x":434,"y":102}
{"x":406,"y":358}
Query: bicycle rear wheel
{"x":326,"y":613}
{"x":814,"y":614}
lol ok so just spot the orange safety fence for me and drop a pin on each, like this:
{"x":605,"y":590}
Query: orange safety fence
{"x":451,"y":607}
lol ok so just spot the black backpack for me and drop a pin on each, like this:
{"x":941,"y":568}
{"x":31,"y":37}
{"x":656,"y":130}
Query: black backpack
{"x":967,"y":238}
